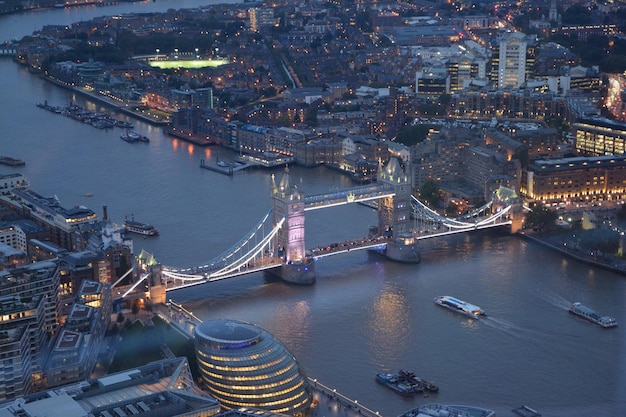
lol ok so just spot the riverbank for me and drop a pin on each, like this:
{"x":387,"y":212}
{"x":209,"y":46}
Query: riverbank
{"x":154,"y":117}
{"x":608,"y":262}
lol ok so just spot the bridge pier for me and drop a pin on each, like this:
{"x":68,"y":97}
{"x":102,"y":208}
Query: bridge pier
{"x":403,"y":250}
{"x":302,"y":273}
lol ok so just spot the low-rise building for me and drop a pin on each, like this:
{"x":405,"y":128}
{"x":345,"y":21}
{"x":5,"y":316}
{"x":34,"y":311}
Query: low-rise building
{"x":575,"y":179}
{"x":161,"y":388}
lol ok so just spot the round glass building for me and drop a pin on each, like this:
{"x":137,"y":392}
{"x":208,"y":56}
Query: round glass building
{"x":242,"y":365}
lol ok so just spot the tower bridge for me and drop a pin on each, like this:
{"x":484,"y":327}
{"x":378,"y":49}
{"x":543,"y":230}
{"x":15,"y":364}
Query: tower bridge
{"x":277,"y":243}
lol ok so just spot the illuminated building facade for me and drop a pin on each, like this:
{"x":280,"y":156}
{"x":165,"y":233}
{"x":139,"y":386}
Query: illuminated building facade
{"x":600,"y":137}
{"x":242,"y":365}
{"x":76,"y":348}
{"x":511,"y":58}
{"x":576,"y":179}
{"x":22,"y":340}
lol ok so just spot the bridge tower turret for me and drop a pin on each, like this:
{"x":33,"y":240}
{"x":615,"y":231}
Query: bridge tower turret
{"x":147,"y":264}
{"x":394,"y":214}
{"x":288,"y":203}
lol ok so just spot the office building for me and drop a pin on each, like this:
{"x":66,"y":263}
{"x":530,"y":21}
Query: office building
{"x":575,"y":179}
{"x":245,"y":366}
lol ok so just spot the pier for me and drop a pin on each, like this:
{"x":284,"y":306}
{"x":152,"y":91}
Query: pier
{"x":225,"y":167}
{"x":8,"y":51}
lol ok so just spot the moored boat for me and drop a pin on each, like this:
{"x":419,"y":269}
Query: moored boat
{"x":140,"y":228}
{"x":436,"y":409}
{"x":397,"y":384}
{"x":406,"y":382}
{"x":459,"y":306}
{"x":132,"y":137}
{"x":526,"y":411}
{"x":6,"y":160}
{"x":588,"y":314}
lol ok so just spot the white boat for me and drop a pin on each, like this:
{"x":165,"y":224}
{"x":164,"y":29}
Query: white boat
{"x":140,"y":228}
{"x":591,"y":315}
{"x":459,"y":306}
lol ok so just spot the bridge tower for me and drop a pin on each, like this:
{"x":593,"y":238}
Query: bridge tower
{"x":394,"y":214}
{"x":147,"y":264}
{"x":288,"y":203}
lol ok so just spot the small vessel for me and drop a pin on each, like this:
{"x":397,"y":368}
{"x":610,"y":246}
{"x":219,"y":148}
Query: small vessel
{"x":88,"y":195}
{"x":132,"y":136}
{"x":591,"y":315}
{"x":7,"y":160}
{"x":397,"y":383}
{"x":140,"y":228}
{"x":526,"y":411}
{"x":406,"y":382}
{"x":436,"y":409}
{"x":459,"y":306}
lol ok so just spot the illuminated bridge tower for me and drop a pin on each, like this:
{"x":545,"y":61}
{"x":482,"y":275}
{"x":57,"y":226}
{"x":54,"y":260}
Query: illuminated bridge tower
{"x":394,"y":214}
{"x":288,"y":203}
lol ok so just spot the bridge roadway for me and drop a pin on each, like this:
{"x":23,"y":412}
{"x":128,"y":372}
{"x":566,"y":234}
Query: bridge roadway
{"x":351,"y":195}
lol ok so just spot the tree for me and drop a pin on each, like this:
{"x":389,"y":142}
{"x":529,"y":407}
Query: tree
{"x":429,"y":192}
{"x":413,"y":135}
{"x":521,"y":154}
{"x":451,"y":209}
{"x":541,"y":218}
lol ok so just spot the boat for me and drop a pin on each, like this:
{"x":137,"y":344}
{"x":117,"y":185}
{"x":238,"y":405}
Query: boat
{"x":587,"y":313}
{"x":140,"y":228}
{"x":459,"y":306}
{"x":394,"y":382}
{"x":406,"y":382}
{"x":132,"y":136}
{"x":526,"y":411}
{"x":6,"y":160}
{"x":436,"y":409}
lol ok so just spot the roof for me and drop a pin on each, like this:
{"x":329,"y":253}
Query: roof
{"x":61,"y":405}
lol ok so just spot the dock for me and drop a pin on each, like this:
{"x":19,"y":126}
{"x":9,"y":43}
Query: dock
{"x":225,"y":168}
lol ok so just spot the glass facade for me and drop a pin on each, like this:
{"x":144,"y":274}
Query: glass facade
{"x":244,"y":366}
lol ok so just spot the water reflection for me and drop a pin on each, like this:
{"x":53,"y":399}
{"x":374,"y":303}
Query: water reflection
{"x":388,"y":325}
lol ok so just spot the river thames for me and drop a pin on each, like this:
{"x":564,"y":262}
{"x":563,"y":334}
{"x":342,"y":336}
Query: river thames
{"x":364,"y":314}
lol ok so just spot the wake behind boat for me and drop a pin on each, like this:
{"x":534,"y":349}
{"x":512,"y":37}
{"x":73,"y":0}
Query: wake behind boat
{"x":459,"y":306}
{"x":588,"y":314}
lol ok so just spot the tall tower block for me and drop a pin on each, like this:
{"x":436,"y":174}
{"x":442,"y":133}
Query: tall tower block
{"x":394,"y":214}
{"x":288,"y":204}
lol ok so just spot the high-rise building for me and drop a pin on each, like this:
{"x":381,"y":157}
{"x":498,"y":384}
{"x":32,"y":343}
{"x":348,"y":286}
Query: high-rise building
{"x":22,"y":340}
{"x":510,"y":60}
{"x":261,"y":18}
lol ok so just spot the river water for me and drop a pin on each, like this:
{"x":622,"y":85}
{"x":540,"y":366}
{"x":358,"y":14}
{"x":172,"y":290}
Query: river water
{"x":364,"y":314}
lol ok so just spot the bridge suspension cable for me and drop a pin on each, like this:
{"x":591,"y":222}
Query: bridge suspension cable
{"x":234,"y":260}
